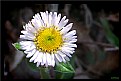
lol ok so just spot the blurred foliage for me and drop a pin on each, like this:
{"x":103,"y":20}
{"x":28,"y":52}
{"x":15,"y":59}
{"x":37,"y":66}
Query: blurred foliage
{"x":64,"y":71}
{"x":111,"y":37}
{"x":32,"y":65}
{"x":90,"y":58}
{"x":44,"y":73}
{"x":101,"y":55}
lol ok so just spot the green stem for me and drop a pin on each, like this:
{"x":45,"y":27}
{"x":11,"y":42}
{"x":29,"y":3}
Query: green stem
{"x":44,"y":73}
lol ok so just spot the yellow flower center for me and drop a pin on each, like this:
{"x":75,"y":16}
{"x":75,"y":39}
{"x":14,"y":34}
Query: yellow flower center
{"x":48,"y":39}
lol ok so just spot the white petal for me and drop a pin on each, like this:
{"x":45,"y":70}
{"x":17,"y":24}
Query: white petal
{"x":48,"y":59}
{"x":25,"y":44}
{"x":67,"y":51}
{"x":74,"y":37}
{"x":66,"y":58}
{"x":24,"y":37}
{"x":72,"y":41}
{"x":53,"y":60}
{"x":31,"y":47}
{"x":47,"y":17}
{"x":43,"y":15}
{"x":40,"y":19}
{"x":73,"y":52}
{"x":62,"y":56}
{"x":65,"y":22}
{"x":38,"y":57}
{"x":38,"y":63}
{"x":70,"y":45}
{"x":61,"y":22}
{"x":67,"y":28}
{"x":67,"y":54}
{"x":36,"y":16}
{"x":54,"y":16}
{"x":37,"y":24}
{"x":58,"y":57}
{"x":24,"y":32}
{"x":30,"y":28}
{"x":46,"y":64}
{"x":58,"y":18}
{"x":50,"y":18}
{"x":24,"y":27}
{"x":70,"y":34}
{"x":31,"y":36}
{"x":67,"y":48}
{"x":43,"y":59}
{"x":63,"y":59}
{"x":31,"y":53}
{"x":34,"y":56}
{"x":66,"y":40}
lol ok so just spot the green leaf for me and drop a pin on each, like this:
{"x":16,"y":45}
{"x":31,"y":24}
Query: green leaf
{"x":17,"y":45}
{"x":64,"y":71}
{"x":111,"y":37}
{"x":32,"y":65}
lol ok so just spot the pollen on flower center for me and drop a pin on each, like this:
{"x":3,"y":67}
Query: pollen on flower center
{"x":48,"y":39}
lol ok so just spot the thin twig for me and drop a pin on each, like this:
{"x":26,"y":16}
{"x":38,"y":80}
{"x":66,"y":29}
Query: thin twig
{"x":52,"y":74}
{"x":111,"y":49}
{"x":98,"y":43}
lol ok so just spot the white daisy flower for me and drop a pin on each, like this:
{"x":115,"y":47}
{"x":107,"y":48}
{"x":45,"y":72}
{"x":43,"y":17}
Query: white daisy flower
{"x":47,"y":39}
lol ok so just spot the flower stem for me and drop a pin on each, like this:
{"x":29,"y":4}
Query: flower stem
{"x":44,"y":73}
